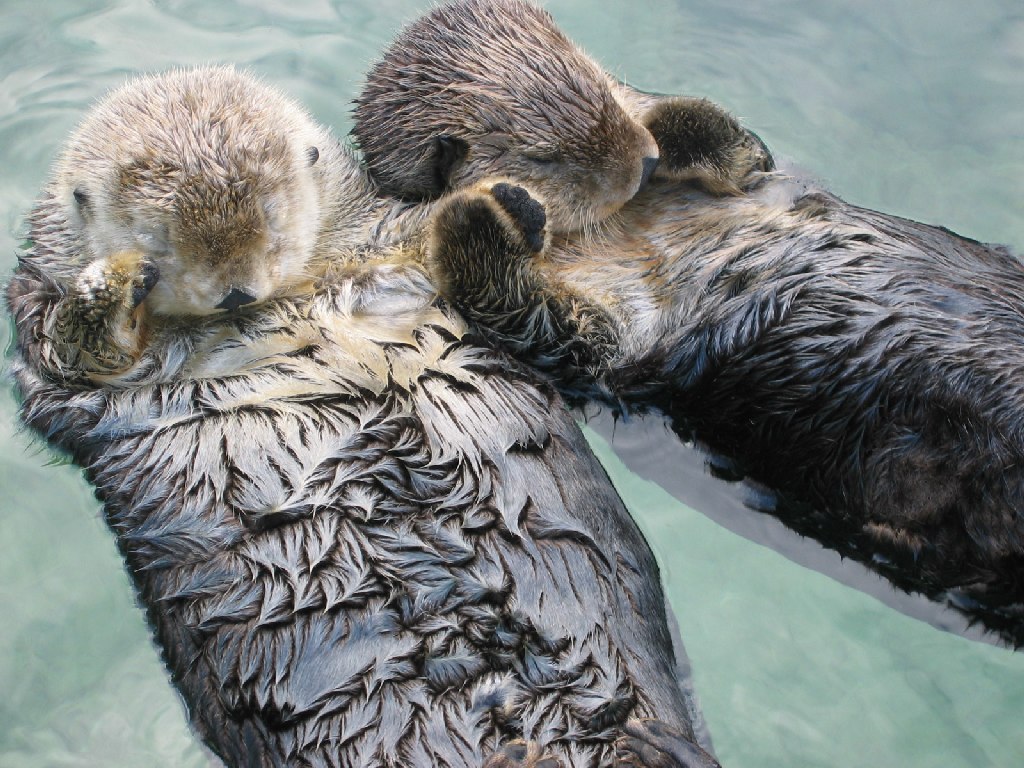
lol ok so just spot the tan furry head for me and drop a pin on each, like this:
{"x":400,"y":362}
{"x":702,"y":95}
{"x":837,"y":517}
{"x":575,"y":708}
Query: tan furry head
{"x":209,"y":173}
{"x":483,"y":88}
{"x":184,"y":195}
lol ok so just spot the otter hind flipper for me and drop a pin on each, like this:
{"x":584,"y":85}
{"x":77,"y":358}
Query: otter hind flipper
{"x":520,"y":754}
{"x":653,"y":744}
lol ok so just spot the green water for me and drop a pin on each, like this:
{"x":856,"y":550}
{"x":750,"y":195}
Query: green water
{"x":915,"y":107}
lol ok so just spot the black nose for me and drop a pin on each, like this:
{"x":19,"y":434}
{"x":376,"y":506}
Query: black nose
{"x":650,"y":163}
{"x":236,"y":299}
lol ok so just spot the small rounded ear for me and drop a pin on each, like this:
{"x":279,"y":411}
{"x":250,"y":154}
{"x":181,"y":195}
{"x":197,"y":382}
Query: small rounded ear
{"x":449,"y":153}
{"x":313,"y":154}
{"x":82,"y":203}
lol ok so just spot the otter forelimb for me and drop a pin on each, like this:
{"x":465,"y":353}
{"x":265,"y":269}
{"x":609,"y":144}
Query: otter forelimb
{"x":698,"y":140}
{"x":92,"y":328}
{"x":482,"y":253}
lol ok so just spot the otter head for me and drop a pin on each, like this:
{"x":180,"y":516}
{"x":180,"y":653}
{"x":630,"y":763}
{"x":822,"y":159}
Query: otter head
{"x":210,"y":175}
{"x":492,"y":88}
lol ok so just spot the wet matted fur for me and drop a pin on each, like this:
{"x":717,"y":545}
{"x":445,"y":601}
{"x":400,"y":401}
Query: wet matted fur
{"x":866,"y":366}
{"x":360,"y":538}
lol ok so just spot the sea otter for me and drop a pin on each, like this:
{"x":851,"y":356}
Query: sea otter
{"x":478,"y":88}
{"x":864,"y":365}
{"x":360,"y":538}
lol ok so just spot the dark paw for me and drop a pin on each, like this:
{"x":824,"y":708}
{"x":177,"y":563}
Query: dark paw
{"x":528,"y":213}
{"x":519,"y":754}
{"x":763,"y":159}
{"x":700,"y":141}
{"x":144,"y":282}
{"x":692,"y":132}
{"x":653,"y":744}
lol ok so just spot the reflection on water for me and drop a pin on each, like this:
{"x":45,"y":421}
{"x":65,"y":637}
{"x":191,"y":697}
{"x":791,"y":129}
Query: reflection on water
{"x":915,"y":108}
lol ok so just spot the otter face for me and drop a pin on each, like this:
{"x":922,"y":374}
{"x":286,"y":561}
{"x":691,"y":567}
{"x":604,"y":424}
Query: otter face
{"x":210,"y":176}
{"x":584,"y":174}
{"x":496,"y":80}
{"x":221,"y":236}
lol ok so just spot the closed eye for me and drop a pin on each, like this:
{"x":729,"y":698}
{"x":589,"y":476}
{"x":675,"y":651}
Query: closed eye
{"x":543,"y":154}
{"x":153,"y":243}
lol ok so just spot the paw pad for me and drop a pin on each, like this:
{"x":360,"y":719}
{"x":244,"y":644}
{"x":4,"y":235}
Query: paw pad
{"x":148,"y":276}
{"x":527,"y":212}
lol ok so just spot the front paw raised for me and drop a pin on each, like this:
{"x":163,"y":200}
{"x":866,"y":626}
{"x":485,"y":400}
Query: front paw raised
{"x":100,"y":319}
{"x":482,"y":238}
{"x":700,"y":141}
{"x":527,"y":214}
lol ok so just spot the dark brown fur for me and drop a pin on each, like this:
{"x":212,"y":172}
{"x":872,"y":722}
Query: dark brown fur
{"x":558,"y":124}
{"x":866,"y":366}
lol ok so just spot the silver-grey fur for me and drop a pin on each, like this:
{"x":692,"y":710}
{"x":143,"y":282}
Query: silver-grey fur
{"x":360,"y":538}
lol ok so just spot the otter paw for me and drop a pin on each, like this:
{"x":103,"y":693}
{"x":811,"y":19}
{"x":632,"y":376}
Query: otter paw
{"x":527,"y":213}
{"x":109,"y":288}
{"x":99,"y":316}
{"x":481,"y":242}
{"x":653,"y":744}
{"x":700,"y":141}
{"x":144,"y":282}
{"x":520,"y":754}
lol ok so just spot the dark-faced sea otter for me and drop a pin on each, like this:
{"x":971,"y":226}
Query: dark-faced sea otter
{"x":481,"y":88}
{"x":865,"y":366}
{"x":360,"y":539}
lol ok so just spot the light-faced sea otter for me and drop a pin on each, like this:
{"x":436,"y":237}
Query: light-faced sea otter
{"x":866,"y":366}
{"x":360,"y":538}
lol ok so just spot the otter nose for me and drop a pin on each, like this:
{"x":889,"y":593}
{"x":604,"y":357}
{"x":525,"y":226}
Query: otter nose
{"x":236,"y":299}
{"x":650,"y":163}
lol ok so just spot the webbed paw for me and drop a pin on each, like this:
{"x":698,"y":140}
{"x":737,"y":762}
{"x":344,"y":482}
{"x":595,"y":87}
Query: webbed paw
{"x":700,"y":141}
{"x":527,"y":213}
{"x":521,"y":754}
{"x":653,"y":744}
{"x":482,"y":239}
{"x":99,"y":318}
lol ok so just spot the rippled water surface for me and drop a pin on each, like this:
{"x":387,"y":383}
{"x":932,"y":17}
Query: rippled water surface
{"x":916,"y":108}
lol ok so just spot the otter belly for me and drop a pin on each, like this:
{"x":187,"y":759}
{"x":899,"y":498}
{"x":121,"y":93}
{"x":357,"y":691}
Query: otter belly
{"x":383,"y":548}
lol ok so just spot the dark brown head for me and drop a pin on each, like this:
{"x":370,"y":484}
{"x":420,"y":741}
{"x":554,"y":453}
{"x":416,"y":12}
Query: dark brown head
{"x":492,"y":89}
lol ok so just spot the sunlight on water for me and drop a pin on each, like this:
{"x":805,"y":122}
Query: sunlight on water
{"x":916,"y":108}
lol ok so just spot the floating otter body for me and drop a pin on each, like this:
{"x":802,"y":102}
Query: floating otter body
{"x":360,"y":539}
{"x":864,"y":365}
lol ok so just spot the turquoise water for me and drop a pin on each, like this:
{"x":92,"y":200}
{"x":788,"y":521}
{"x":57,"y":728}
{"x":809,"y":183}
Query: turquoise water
{"x":915,"y":107}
